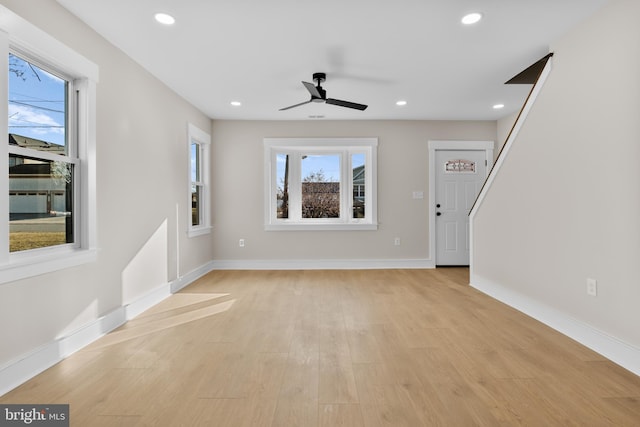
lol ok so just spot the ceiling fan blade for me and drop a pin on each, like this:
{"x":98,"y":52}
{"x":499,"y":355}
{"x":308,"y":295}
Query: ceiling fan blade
{"x":347,"y":104}
{"x":312,"y":90}
{"x":293,"y":106}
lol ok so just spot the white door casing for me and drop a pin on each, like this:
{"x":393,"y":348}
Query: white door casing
{"x":457,"y":171}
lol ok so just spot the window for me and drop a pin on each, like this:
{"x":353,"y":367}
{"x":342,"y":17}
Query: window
{"x":320,"y":183}
{"x":199,"y":206}
{"x":460,"y":166}
{"x":47,"y":183}
{"x":42,"y":158}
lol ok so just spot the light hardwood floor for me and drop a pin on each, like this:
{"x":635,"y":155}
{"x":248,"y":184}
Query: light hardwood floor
{"x":336,"y":348}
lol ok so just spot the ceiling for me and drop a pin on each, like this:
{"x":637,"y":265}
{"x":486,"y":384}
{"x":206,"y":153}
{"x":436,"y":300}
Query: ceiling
{"x":374,"y":52}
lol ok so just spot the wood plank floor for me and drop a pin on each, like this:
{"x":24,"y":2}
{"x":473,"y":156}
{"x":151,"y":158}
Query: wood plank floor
{"x":336,"y":348}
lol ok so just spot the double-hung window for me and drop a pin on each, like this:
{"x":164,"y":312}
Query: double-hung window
{"x":43,"y":157}
{"x":199,"y":206}
{"x":320,"y":183}
{"x":47,"y":182}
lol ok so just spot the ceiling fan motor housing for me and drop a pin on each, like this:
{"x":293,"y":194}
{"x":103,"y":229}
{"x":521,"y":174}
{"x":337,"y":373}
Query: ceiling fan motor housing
{"x":319,"y":77}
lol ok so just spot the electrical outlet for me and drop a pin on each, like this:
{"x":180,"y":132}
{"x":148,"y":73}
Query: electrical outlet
{"x":241,"y":243}
{"x":592,"y":287}
{"x":396,"y":241}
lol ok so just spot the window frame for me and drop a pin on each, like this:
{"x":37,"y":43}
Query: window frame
{"x":29,"y":42}
{"x":71,"y":147}
{"x":298,"y":147}
{"x":203,"y":141}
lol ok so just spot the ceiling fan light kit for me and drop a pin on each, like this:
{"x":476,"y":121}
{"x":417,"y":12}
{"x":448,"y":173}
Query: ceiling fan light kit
{"x":318,"y":94}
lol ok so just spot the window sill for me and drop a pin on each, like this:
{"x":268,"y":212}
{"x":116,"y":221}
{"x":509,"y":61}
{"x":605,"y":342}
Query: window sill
{"x":25,"y":266}
{"x":320,"y":227}
{"x":200,"y":231}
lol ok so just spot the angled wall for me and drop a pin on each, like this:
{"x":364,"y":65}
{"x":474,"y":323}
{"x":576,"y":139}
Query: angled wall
{"x":565,"y":205}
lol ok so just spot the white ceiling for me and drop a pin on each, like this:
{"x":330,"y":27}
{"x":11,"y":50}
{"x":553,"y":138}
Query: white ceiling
{"x":374,"y":52}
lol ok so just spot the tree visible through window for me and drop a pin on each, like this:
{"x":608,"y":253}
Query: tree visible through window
{"x":321,"y":185}
{"x":49,"y":177}
{"x":282,"y":196}
{"x":320,"y":190}
{"x":41,"y":158}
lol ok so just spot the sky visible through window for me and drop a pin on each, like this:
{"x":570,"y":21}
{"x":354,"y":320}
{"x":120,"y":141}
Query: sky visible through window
{"x":37,"y":102}
{"x":195,"y":171}
{"x":327,"y":164}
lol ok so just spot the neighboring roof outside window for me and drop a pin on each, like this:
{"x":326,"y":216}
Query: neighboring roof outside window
{"x":35,"y":144}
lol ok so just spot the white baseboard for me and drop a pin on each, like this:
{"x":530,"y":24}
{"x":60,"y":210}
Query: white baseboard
{"x":192,"y":276}
{"x":31,"y":364}
{"x":614,"y":349}
{"x":84,"y":336}
{"x":326,"y":264}
{"x":147,"y":301}
{"x":40,"y":359}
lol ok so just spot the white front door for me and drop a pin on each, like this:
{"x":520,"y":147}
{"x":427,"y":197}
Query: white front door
{"x":459,"y":176}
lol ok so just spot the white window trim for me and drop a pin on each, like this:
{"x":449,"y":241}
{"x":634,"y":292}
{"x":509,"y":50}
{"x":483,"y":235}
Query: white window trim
{"x":342,"y":146}
{"x":204,"y":140}
{"x":25,"y":37}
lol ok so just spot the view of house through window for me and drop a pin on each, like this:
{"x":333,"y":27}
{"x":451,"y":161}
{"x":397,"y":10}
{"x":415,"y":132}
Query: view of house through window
{"x":359,"y":183}
{"x":41,"y":166}
{"x":320,"y":177}
{"x":320,"y":184}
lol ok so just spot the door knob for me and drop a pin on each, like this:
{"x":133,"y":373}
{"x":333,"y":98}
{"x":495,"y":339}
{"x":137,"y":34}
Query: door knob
{"x":438,"y":205}
{"x":438,"y":213}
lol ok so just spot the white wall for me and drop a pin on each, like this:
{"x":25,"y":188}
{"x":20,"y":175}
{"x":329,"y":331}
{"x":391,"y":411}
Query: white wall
{"x":402,"y":168}
{"x":141,"y":178}
{"x":566,"y":204}
{"x":503,"y":128}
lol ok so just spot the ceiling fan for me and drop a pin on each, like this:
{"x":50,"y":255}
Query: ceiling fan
{"x":318,"y":94}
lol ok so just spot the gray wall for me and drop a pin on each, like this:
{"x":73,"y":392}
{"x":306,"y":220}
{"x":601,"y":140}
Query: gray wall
{"x":238,"y":188}
{"x":141,"y":178}
{"x":565,"y":206}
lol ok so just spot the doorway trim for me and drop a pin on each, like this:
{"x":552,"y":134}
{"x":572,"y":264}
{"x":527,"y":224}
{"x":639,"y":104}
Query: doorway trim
{"x":446,"y":145}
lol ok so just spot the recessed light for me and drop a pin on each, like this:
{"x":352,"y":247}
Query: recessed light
{"x":498,"y":106}
{"x":401,"y":103}
{"x":471,"y":18}
{"x":165,"y":18}
{"x":236,"y":103}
